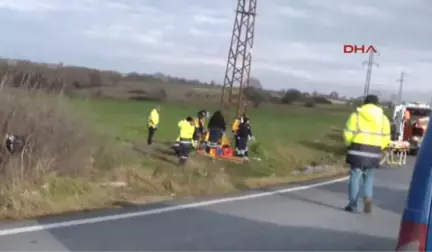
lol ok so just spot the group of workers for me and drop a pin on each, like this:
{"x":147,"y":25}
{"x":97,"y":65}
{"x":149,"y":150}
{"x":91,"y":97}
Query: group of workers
{"x":194,"y":135}
{"x":366,"y":136}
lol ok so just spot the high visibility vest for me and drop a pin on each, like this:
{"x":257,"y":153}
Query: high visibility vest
{"x":186,"y":131}
{"x":235,"y":125}
{"x":366,"y":138}
{"x":153,"y":119}
{"x":199,"y":124}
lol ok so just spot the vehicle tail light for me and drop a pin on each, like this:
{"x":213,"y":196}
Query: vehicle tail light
{"x":412,"y":237}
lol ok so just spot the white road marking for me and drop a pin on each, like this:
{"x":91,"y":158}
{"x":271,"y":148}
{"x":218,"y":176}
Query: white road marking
{"x":64,"y":224}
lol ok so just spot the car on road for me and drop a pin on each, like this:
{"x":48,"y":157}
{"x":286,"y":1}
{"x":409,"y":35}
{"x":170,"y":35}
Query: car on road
{"x":415,"y":232}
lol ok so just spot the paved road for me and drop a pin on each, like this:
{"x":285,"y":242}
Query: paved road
{"x":309,"y":219}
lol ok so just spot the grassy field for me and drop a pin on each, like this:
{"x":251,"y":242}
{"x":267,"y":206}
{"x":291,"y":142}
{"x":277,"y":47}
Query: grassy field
{"x":288,"y":138}
{"x":88,"y":152}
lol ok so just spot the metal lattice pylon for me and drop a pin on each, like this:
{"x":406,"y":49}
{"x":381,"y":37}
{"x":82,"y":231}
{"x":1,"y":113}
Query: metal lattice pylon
{"x":238,"y":67}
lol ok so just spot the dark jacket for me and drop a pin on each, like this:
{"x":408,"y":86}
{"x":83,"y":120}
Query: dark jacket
{"x":217,"y":121}
{"x":244,"y":129}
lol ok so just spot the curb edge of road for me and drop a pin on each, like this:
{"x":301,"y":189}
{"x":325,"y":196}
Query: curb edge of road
{"x":104,"y":215}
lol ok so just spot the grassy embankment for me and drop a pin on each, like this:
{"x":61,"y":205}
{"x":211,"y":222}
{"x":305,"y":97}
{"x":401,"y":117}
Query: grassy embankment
{"x":126,"y":170}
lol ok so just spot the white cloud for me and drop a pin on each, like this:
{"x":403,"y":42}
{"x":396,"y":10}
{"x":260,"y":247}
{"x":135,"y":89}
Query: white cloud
{"x":285,"y":70}
{"x":128,"y":34}
{"x":292,"y":12}
{"x":207,"y":19}
{"x":46,"y":5}
{"x":299,"y":40}
{"x":206,"y":33}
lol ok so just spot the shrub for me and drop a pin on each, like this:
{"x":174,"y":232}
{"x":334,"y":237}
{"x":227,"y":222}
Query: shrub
{"x":292,"y":95}
{"x":310,"y":103}
{"x":55,"y":139}
{"x":321,"y":100}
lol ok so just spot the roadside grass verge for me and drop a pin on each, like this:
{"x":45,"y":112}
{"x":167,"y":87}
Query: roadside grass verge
{"x":121,"y":169}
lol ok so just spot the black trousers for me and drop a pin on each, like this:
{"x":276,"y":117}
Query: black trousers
{"x":236,"y":143}
{"x":151,"y":132}
{"x":183,"y":152}
{"x":242,"y":146}
{"x":215,"y":135}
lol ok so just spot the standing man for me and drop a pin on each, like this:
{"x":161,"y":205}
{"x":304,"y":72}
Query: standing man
{"x":243,"y":135}
{"x":153,"y":122}
{"x":186,"y":143}
{"x":200,"y":129}
{"x":366,"y":135}
{"x":235,"y":128}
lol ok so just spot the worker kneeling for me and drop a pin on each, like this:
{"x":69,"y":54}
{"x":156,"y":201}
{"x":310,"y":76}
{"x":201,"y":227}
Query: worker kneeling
{"x":186,"y":143}
{"x":216,"y":127}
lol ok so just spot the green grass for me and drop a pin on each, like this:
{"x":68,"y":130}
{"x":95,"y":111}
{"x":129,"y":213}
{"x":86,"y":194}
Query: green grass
{"x":288,"y":137}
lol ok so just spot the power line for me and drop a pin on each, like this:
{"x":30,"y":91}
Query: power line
{"x":401,"y":81}
{"x":370,"y":63}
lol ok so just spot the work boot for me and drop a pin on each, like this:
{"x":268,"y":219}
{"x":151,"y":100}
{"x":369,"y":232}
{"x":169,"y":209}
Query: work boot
{"x":181,"y":163}
{"x":350,"y":209}
{"x":367,"y":205}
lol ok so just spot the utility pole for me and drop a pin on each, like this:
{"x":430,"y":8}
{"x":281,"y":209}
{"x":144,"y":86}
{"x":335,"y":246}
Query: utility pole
{"x":401,"y":81}
{"x":370,"y":63}
{"x":238,"y":67}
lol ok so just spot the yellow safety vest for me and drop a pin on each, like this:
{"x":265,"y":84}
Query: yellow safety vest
{"x":366,"y":134}
{"x":199,"y":124}
{"x":236,"y":125}
{"x":153,"y":120}
{"x":186,"y":132}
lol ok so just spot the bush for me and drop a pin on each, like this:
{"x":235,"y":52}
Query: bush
{"x":310,"y":103}
{"x":55,"y":140}
{"x":292,"y":95}
{"x":255,"y":95}
{"x":321,"y":100}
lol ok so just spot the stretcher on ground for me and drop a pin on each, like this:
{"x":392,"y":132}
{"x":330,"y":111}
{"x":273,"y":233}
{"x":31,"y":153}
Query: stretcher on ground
{"x":224,"y":150}
{"x":396,"y":153}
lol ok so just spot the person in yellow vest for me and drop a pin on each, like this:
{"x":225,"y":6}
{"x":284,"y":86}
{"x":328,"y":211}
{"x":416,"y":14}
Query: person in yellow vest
{"x":186,"y":143}
{"x":234,"y":129}
{"x":200,"y":129}
{"x":366,"y":135}
{"x":153,"y":123}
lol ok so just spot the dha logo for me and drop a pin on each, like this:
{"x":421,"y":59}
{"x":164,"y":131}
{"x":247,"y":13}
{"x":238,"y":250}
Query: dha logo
{"x":349,"y":49}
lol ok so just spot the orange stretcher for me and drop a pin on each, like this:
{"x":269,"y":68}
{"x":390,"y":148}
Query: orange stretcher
{"x":224,"y":157}
{"x":225,"y":152}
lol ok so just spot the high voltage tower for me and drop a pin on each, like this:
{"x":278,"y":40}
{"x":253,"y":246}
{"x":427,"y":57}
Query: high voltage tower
{"x":370,"y":63}
{"x":238,"y":67}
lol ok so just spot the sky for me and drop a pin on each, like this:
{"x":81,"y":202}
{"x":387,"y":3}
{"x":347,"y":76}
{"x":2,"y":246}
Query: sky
{"x":298,"y":44}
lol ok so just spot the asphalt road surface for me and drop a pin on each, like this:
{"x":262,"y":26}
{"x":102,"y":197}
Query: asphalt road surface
{"x":306,"y":218}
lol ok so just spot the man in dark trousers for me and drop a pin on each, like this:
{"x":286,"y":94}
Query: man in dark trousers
{"x":186,"y":143}
{"x":243,"y":135}
{"x":366,"y":135}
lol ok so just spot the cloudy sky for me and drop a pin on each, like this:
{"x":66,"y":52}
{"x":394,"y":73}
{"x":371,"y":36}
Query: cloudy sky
{"x":297,"y":43}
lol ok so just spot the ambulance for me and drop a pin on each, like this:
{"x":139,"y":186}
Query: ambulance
{"x":409,"y":123}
